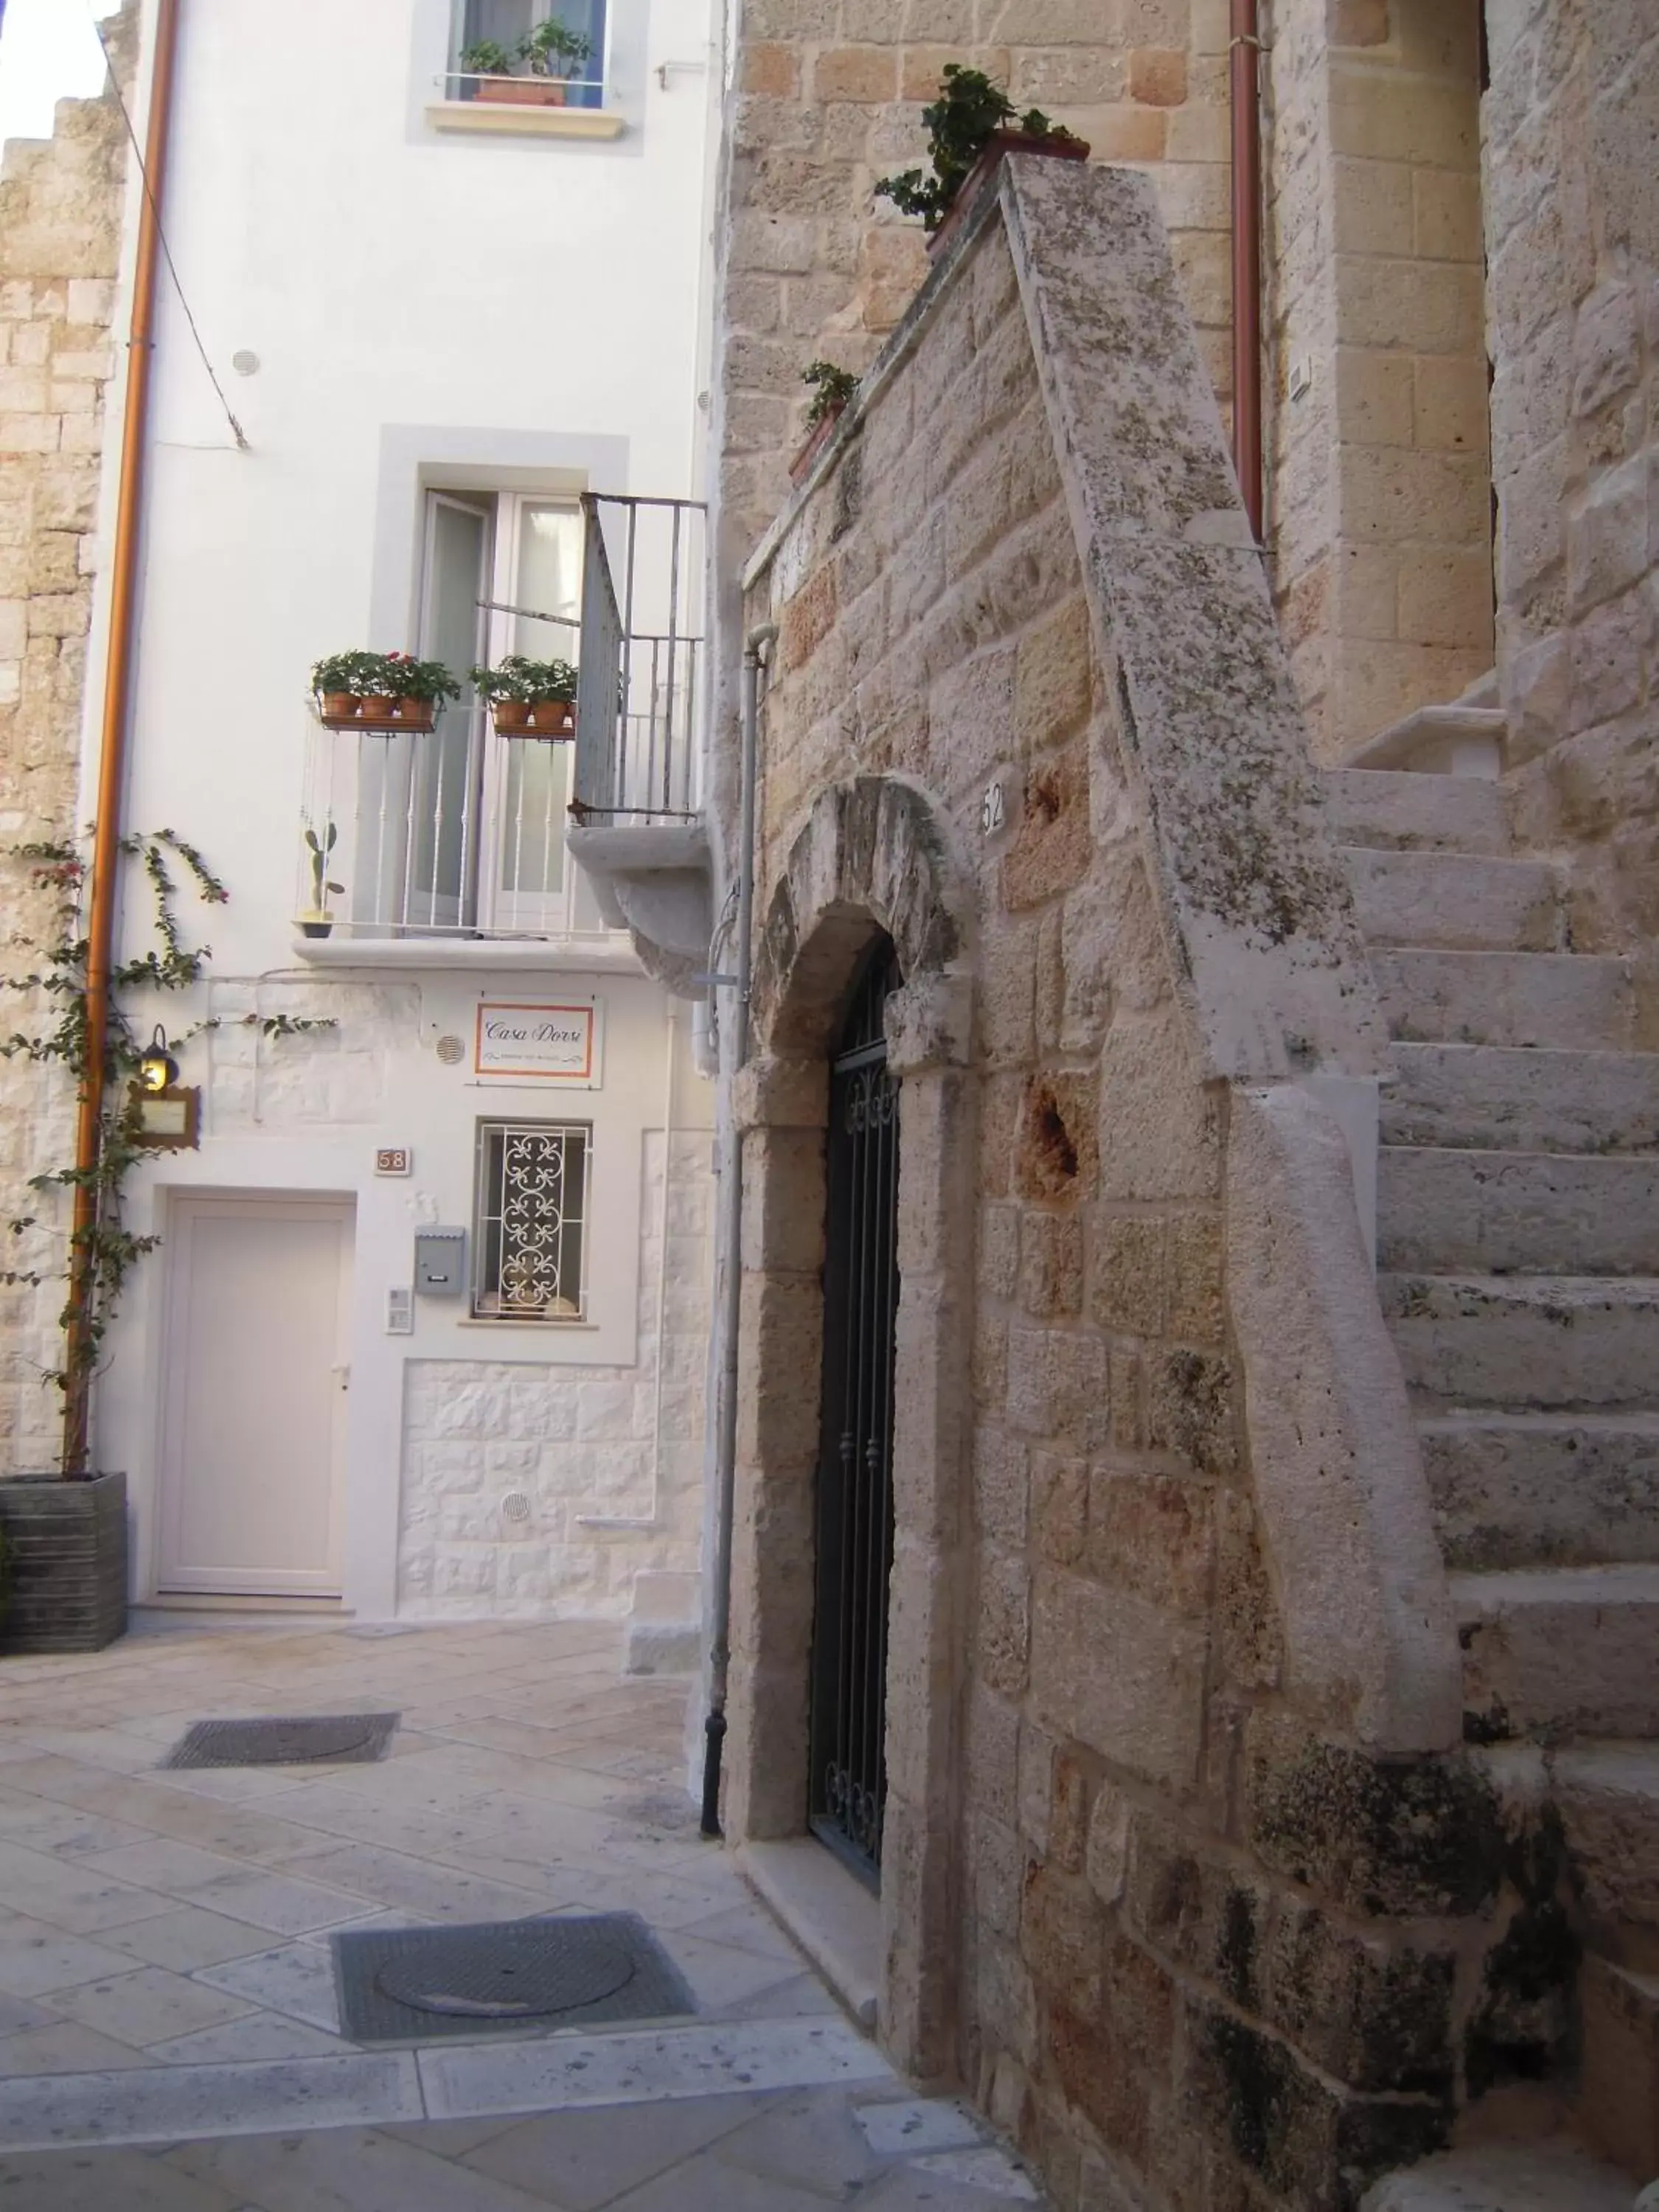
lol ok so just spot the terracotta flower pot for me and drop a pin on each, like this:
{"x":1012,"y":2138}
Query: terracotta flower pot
{"x":521,"y":91}
{"x":822,"y":432}
{"x":417,"y":714}
{"x":998,"y":144}
{"x":378,"y":711}
{"x":553,"y":718}
{"x":511,"y":717}
{"x":338,"y":705}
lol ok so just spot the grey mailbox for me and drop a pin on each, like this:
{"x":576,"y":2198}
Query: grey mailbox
{"x":440,"y":1262}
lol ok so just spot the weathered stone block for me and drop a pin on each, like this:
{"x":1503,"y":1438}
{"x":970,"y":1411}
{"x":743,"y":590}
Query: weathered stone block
{"x":1608,"y":539}
{"x":1409,"y":1836}
{"x":1061,"y":1938}
{"x":1152,"y":1534}
{"x":1057,"y":1156}
{"x":1057,"y":1385}
{"x":1060,"y":1507}
{"x":1051,"y":1265}
{"x":1124,"y":1676}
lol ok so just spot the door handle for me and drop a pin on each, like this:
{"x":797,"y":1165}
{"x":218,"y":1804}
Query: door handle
{"x":343,"y":1368}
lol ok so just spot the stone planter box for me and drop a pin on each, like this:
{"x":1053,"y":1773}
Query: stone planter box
{"x":64,"y":1577}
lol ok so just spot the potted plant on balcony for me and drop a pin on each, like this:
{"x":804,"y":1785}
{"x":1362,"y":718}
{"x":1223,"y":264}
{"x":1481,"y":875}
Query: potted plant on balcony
{"x":552,"y":52}
{"x":831,"y":389}
{"x":530,"y":698}
{"x":316,"y":920}
{"x":418,"y":688}
{"x":341,"y":681}
{"x":970,"y":126}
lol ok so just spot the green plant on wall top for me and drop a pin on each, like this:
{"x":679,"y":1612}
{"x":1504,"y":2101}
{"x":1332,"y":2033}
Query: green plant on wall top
{"x":970,"y":112}
{"x":831,"y":389}
{"x":553,"y":49}
{"x":99,"y":1259}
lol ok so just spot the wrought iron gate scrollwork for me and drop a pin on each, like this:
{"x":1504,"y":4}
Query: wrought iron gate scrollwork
{"x":854,"y":1503}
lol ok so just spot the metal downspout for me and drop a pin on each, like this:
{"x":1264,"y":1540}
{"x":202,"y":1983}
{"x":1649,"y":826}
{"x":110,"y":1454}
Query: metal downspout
{"x":1243,"y":71}
{"x":755,"y":648}
{"x":104,"y":874}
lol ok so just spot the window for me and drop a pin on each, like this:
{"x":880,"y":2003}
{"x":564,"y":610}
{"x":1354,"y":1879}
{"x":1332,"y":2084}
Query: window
{"x":529,"y":1229}
{"x":462,"y":830}
{"x":508,"y":22}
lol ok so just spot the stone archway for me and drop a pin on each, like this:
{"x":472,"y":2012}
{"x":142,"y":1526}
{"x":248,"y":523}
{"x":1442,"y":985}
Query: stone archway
{"x":873,"y":857}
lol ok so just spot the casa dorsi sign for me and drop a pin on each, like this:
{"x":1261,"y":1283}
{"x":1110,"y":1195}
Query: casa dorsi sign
{"x":537,"y":1043}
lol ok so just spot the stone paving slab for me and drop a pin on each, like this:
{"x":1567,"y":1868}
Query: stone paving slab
{"x":169,"y":2034}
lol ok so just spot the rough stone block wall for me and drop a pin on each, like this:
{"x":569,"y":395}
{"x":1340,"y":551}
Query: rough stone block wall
{"x":578,"y":1443}
{"x":1572,"y":239}
{"x":829,"y":97}
{"x":1206,"y":1957}
{"x":61,"y":205}
{"x":1380,"y":508}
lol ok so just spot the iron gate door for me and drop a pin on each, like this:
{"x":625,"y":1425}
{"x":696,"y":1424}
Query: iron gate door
{"x":854,"y":1506}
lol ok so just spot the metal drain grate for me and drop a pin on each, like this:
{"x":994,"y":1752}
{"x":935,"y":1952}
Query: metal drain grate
{"x":319,"y":1739}
{"x":523,"y":1977}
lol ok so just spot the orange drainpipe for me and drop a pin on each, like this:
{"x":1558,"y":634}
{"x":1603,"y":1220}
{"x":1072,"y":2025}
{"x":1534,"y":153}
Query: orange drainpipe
{"x":1244,"y":49}
{"x":104,"y":872}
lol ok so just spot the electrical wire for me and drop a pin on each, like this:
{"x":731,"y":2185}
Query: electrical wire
{"x":237,"y":431}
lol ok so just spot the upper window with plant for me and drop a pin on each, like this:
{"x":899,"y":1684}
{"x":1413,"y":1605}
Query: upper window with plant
{"x":528,"y":52}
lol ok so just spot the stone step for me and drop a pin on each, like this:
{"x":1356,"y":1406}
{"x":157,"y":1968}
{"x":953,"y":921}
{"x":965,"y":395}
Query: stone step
{"x":1445,"y":1211}
{"x":1557,"y":1652}
{"x":1607,"y":1795}
{"x":1462,"y":742}
{"x":1543,"y":1490}
{"x":1528,"y":1342}
{"x":1568,"y":1001}
{"x":1548,"y":2177}
{"x":1501,"y":1099}
{"x":1455,"y":901}
{"x":1618,"y":2105}
{"x":1392,"y":811}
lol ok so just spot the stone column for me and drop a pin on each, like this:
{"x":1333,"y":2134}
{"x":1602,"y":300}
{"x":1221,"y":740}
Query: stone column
{"x":781,"y":1107}
{"x":927,"y":1035}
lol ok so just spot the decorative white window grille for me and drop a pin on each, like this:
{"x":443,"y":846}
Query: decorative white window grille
{"x":530,"y":1220}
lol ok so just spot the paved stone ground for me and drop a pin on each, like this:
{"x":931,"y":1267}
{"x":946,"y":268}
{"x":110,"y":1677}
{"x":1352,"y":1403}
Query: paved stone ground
{"x":169,"y":2037}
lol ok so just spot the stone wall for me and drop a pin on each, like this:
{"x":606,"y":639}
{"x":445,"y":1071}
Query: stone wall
{"x":829,"y":96}
{"x":61,"y":209}
{"x":1183,"y":1872}
{"x":584,"y":1446}
{"x":1572,"y":239}
{"x":1377,"y":410}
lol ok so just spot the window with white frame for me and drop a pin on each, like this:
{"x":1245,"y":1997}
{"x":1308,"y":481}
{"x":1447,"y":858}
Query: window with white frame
{"x":464,"y":827}
{"x":508,"y":23}
{"x":530,"y":1236}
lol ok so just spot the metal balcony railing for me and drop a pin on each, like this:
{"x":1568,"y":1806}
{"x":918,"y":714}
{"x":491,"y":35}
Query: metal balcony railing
{"x":459,"y":830}
{"x":639,"y":702}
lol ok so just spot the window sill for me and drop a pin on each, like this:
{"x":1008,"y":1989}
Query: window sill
{"x":493,"y":119}
{"x":612,"y":954}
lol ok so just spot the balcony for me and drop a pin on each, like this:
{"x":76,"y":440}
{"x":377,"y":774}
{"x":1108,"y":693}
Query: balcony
{"x":433,"y":840}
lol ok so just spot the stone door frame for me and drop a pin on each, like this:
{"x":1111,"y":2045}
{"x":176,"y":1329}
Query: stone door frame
{"x":873,"y":857}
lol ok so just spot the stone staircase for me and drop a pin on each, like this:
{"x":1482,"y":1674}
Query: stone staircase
{"x":1518,"y":1268}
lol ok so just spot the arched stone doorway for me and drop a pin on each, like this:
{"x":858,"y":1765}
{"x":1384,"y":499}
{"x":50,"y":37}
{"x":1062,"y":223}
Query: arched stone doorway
{"x":871,"y":862}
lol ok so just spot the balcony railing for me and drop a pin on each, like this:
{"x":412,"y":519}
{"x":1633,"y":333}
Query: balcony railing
{"x":639,"y":701}
{"x":459,"y":831}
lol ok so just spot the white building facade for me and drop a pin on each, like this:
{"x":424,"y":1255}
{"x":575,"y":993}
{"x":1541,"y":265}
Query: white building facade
{"x":425,"y":1334}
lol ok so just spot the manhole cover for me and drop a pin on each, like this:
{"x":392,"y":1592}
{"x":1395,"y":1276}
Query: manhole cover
{"x":342,"y":1739}
{"x":412,"y":1985}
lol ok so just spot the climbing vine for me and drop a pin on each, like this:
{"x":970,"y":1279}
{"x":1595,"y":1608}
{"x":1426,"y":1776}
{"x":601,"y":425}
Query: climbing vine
{"x":100,"y":1257}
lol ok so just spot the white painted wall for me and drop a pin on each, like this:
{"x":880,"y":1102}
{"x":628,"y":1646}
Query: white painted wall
{"x":527,"y":308}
